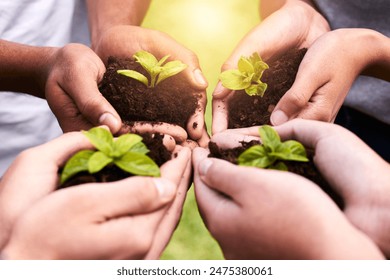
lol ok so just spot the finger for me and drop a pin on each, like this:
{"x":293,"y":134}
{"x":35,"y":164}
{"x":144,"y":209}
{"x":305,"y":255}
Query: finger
{"x":208,"y":199}
{"x":173,"y":169}
{"x":220,"y":115}
{"x":61,"y":149}
{"x":308,"y":132}
{"x":171,"y":217}
{"x":220,"y":92}
{"x":296,"y":99}
{"x":190,"y":144}
{"x":177,"y":132}
{"x":90,"y":102}
{"x":135,"y":195}
{"x":196,"y":123}
{"x":204,"y":139}
{"x":229,"y":139}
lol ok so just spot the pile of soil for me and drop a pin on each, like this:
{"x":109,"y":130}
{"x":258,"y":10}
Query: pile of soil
{"x":158,"y":152}
{"x":305,"y":169}
{"x":246,"y":111}
{"x":171,"y":101}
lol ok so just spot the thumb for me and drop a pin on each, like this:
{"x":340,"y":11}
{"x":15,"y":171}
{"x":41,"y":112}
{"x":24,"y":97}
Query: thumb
{"x":296,"y":99}
{"x":136,"y":195}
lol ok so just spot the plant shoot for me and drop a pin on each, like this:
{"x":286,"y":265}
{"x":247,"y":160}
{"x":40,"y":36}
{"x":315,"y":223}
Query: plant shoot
{"x":158,"y":70}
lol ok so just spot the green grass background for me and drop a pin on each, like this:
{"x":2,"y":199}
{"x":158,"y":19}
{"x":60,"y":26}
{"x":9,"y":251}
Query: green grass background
{"x":211,"y":29}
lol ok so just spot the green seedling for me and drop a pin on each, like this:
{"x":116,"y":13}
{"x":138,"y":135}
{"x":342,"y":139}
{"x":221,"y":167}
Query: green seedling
{"x":157,"y":70}
{"x":247,"y":76}
{"x":273,"y":151}
{"x":128,"y":152}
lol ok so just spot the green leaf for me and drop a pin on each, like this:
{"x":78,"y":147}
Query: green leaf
{"x":135,"y":75}
{"x":101,"y":138}
{"x":293,"y":150}
{"x":255,"y":156}
{"x":170,"y":69}
{"x":279,"y":166}
{"x":256,"y":89}
{"x":76,"y":164}
{"x":245,"y":65}
{"x":138,"y":164}
{"x":140,"y":148}
{"x":162,"y":60}
{"x":269,"y":137}
{"x":147,"y":60}
{"x":98,"y":161}
{"x":234,"y":80}
{"x":124,"y":143}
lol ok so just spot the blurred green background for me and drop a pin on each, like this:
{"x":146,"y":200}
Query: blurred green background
{"x":211,"y":29}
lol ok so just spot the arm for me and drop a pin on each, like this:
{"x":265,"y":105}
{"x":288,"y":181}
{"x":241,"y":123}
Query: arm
{"x":67,"y":77}
{"x":104,"y":14}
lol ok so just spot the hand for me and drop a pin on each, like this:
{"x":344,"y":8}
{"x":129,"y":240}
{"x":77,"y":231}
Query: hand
{"x":268,"y":214}
{"x":296,"y":22}
{"x":94,"y":221}
{"x":355,"y":172}
{"x":72,"y":75}
{"x":125,"y":40}
{"x":40,"y":166}
{"x":318,"y":92}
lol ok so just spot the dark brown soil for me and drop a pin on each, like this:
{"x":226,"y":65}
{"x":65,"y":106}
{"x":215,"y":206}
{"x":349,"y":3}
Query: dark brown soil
{"x":305,"y":169}
{"x":171,"y":101}
{"x":246,"y":111}
{"x":158,"y":152}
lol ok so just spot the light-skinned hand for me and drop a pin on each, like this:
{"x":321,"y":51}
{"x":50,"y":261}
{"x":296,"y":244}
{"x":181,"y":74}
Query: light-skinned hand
{"x":268,"y":214}
{"x":29,"y":199}
{"x":296,"y":22}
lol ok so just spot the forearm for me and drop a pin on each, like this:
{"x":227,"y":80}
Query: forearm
{"x":103,"y":14}
{"x":379,"y":63}
{"x":268,"y":7}
{"x":22,"y":67}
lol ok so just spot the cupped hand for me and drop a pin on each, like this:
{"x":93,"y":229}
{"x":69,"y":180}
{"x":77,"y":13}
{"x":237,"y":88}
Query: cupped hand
{"x":357,"y":173}
{"x":326,"y":74}
{"x":296,"y":22}
{"x":268,"y":214}
{"x":93,"y":221}
{"x":71,"y":89}
{"x":125,"y":40}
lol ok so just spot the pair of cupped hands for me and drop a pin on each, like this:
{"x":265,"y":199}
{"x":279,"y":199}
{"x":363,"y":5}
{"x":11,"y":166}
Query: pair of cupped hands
{"x":252,"y":213}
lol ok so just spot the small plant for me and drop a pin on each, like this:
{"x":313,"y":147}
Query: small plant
{"x":127,"y":152}
{"x":247,"y":76}
{"x":157,"y":71}
{"x":272,"y":152}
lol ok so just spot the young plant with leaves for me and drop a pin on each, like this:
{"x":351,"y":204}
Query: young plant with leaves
{"x":273,"y":151}
{"x":247,"y":76}
{"x":157,"y":70}
{"x":128,"y":152}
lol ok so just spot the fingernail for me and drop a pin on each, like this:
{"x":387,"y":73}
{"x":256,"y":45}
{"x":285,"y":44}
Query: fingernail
{"x":204,"y":166}
{"x":109,"y":120}
{"x":218,"y":90}
{"x":278,"y":117}
{"x":199,"y":78}
{"x":165,"y":188}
